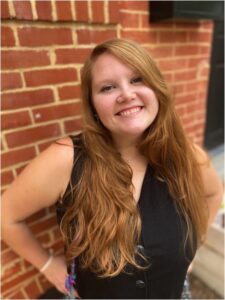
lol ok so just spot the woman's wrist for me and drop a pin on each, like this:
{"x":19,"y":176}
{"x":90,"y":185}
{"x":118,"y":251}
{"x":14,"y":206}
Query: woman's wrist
{"x":47,"y":263}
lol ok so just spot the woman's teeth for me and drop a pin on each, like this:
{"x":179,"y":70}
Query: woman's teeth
{"x":130,"y":111}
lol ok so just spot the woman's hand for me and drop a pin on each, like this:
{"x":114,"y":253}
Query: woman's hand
{"x":56,"y":273}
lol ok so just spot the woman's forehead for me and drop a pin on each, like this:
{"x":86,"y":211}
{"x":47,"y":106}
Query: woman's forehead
{"x":108,"y":63}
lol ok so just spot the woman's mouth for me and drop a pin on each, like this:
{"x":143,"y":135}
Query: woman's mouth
{"x":130,"y":111}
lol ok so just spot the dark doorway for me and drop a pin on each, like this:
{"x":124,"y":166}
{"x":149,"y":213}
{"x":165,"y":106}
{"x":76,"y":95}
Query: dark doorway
{"x":214,"y":131}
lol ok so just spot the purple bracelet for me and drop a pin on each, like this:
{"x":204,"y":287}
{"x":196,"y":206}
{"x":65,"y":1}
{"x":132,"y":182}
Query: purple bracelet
{"x":71,"y":281}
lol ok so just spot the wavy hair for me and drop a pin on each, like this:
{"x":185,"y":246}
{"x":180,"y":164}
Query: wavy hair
{"x":106,"y":222}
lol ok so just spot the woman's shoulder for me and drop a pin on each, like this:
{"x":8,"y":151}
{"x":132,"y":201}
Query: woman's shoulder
{"x":201,"y":155}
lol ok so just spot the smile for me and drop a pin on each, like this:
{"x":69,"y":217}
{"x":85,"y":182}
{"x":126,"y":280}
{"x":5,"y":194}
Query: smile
{"x":130,"y":111}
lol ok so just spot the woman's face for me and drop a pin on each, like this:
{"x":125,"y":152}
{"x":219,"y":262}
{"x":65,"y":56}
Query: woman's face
{"x":125,"y":105}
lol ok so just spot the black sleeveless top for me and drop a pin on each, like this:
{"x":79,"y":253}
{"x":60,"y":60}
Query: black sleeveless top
{"x":162,"y":242}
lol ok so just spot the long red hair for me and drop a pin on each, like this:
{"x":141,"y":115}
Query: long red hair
{"x":104,"y":211}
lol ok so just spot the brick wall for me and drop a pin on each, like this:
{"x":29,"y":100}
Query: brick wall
{"x":44,"y":44}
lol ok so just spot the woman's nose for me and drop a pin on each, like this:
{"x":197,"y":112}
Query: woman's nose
{"x":126,"y":95}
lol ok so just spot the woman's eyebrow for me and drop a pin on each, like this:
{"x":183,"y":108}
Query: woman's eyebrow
{"x":104,"y":81}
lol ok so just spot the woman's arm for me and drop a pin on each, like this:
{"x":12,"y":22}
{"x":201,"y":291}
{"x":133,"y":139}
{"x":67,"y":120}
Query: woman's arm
{"x":40,"y":185}
{"x":213,"y":186}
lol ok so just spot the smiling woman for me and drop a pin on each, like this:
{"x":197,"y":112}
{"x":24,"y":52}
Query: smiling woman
{"x":124,"y":103}
{"x":133,"y":195}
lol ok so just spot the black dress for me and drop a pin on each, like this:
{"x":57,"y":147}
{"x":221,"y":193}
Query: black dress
{"x":162,"y":240}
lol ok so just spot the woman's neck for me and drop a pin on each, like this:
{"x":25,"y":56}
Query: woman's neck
{"x":129,"y":150}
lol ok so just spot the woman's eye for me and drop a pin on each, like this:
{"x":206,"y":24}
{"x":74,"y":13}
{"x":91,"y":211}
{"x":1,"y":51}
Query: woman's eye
{"x":106,"y":88}
{"x":137,"y":79}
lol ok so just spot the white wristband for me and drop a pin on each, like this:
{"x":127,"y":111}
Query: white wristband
{"x":45,"y":266}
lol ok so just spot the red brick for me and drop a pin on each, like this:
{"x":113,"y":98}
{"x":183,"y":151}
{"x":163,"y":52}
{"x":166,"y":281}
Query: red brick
{"x":4,"y":10}
{"x":168,"y":77}
{"x":181,"y":110}
{"x":200,"y":115}
{"x":43,"y":146}
{"x":72,"y":125}
{"x":191,"y":107}
{"x":186,"y":25}
{"x":44,"y":9}
{"x":205,"y":50}
{"x":81,"y":10}
{"x":172,"y":64}
{"x":34,"y":37}
{"x":203,"y":84}
{"x":200,"y":37}
{"x":17,"y":295}
{"x":33,"y":290}
{"x":6,"y":177}
{"x":145,"y":21}
{"x":194,"y":62}
{"x":159,"y":26}
{"x":201,"y":105}
{"x":161,"y":52}
{"x":11,"y":81}
{"x":23,"y":10}
{"x":173,"y":37}
{"x":56,"y":112}
{"x":4,"y":246}
{"x":57,"y":233}
{"x":207,"y":25}
{"x":178,"y":89}
{"x":7,"y":37}
{"x":8,"y":256}
{"x":185,"y":76}
{"x":194,"y":128}
{"x":10,"y":271}
{"x":185,"y":99}
{"x":135,"y":5}
{"x":85,"y":36}
{"x":14,"y":157}
{"x":43,"y":225}
{"x":129,"y":20}
{"x":26,"y":99}
{"x":44,"y":238}
{"x":114,"y":11}
{"x":50,"y":76}
{"x":51,"y":210}
{"x":205,"y":72}
{"x":15,"y":120}
{"x":187,"y":121}
{"x":20,"y":169}
{"x":45,"y":284}
{"x":58,"y":247}
{"x":63,"y":9}
{"x":18,"y":280}
{"x":2,"y":146}
{"x":97,"y":11}
{"x":67,"y":56}
{"x":69,"y":92}
{"x":140,"y":36}
{"x":32,"y":135}
{"x":14,"y":59}
{"x":193,"y":86}
{"x":186,"y":50}
{"x":36,"y":217}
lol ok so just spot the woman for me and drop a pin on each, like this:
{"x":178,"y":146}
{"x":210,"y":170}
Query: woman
{"x":134,"y":196}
